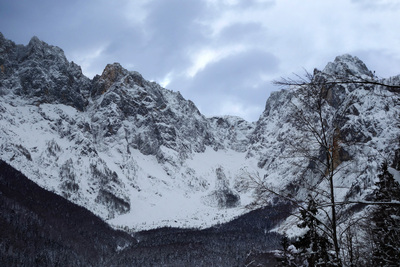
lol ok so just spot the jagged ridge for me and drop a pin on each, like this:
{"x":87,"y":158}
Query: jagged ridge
{"x":130,"y":150}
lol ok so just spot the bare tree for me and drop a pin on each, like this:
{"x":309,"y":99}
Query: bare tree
{"x":318,"y":114}
{"x":333,"y":80}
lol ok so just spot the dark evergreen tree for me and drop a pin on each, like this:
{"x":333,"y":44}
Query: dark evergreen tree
{"x":314,"y":244}
{"x":311,"y":249}
{"x":286,"y":257}
{"x":386,"y":221}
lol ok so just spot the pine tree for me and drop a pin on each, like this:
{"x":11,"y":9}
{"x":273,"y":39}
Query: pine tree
{"x":314,"y":244}
{"x":311,"y":249}
{"x":286,"y":257}
{"x":386,"y":219}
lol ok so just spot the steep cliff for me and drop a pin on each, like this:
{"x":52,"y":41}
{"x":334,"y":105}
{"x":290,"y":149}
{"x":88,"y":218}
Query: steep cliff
{"x":141,"y":156}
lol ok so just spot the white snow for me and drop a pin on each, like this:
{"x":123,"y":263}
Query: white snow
{"x":395,"y":173}
{"x":172,"y":190}
{"x":169,"y":201}
{"x":159,"y":194}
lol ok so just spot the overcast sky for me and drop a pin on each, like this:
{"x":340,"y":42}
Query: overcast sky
{"x":221,"y":54}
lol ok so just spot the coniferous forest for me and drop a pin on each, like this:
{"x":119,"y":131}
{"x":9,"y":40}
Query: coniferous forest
{"x":40,"y":228}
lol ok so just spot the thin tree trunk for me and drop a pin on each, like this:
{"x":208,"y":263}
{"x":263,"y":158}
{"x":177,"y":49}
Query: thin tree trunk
{"x":330,"y":163}
{"x":334,"y":225}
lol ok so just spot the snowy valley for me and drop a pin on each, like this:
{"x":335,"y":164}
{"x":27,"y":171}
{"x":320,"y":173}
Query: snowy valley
{"x":142,"y":157}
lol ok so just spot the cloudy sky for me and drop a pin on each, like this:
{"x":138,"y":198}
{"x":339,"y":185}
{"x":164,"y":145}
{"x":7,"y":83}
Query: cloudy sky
{"x":221,"y":54}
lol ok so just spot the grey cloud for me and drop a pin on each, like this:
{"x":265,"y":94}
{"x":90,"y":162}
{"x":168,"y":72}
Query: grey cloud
{"x":172,"y":22}
{"x":257,"y":4}
{"x":161,"y":42}
{"x":236,"y":78}
{"x":68,"y":24}
{"x":158,"y":45}
{"x":171,"y":27}
{"x":251,"y":33}
{"x":374,"y":4}
{"x":238,"y":71}
{"x":247,"y":4}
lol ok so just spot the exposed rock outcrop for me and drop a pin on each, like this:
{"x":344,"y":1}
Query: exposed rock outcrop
{"x":119,"y":144}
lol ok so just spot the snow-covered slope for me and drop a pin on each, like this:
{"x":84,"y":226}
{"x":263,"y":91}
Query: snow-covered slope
{"x":141,"y":156}
{"x":132,"y":152}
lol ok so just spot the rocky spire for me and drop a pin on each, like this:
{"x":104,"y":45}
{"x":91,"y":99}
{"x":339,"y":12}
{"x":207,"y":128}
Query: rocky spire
{"x":42,"y":73}
{"x":347,"y":65}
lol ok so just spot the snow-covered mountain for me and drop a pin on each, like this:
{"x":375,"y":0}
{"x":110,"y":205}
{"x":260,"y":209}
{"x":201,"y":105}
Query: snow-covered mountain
{"x":141,"y":156}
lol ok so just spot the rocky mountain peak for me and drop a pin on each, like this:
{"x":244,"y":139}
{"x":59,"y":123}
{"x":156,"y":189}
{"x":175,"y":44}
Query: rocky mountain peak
{"x":42,"y":74}
{"x":35,"y":41}
{"x":137,"y":146}
{"x":4,"y":43}
{"x":347,"y":65}
{"x":275,"y":100}
{"x":39,"y":50}
{"x":6,"y":46}
{"x":117,"y":76}
{"x":113,"y":71}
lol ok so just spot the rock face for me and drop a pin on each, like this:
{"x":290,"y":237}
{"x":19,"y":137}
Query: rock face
{"x":232,"y":132}
{"x":347,"y":66}
{"x":157,"y":117}
{"x":360,"y":117}
{"x":223,"y":196}
{"x":41,"y":73}
{"x":141,"y":156}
